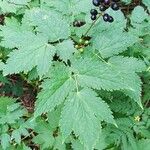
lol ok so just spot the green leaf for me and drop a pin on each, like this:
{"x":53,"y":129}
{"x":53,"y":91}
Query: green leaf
{"x":138,"y":14}
{"x":16,"y":136}
{"x":65,"y":50}
{"x":5,"y":139}
{"x":113,"y":42}
{"x":54,"y":117}
{"x":8,"y":7}
{"x":76,"y":145}
{"x":45,"y":134}
{"x":12,"y":6}
{"x":127,"y":1}
{"x":11,"y":117}
{"x":54,"y":90}
{"x":83,"y":110}
{"x":101,"y":143}
{"x":81,"y":119}
{"x":59,"y":144}
{"x":22,"y":131}
{"x":140,"y":21}
{"x":67,"y":7}
{"x":19,"y":2}
{"x":4,"y":103}
{"x":38,"y":54}
{"x":10,"y":111}
{"x":45,"y":140}
{"x":147,"y":3}
{"x":49,"y":23}
{"x":127,"y":64}
{"x":144,"y":144}
{"x":110,"y":75}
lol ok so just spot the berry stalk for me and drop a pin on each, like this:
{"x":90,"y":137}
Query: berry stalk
{"x":93,"y":23}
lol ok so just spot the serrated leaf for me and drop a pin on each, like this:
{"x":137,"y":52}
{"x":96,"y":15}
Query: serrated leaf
{"x":45,"y":140}
{"x":4,"y":103}
{"x":82,"y":119}
{"x":138,"y":14}
{"x":109,"y":76}
{"x":54,"y":90}
{"x":144,"y":144}
{"x":147,"y":3}
{"x":48,"y":23}
{"x":59,"y":144}
{"x":83,"y":110}
{"x":140,"y":21}
{"x":5,"y":139}
{"x":16,"y":136}
{"x":19,"y":2}
{"x":11,"y":6}
{"x":54,"y":117}
{"x":76,"y":145}
{"x":113,"y":42}
{"x":11,"y":117}
{"x":21,"y":131}
{"x":8,"y":7}
{"x":67,"y":7}
{"x":38,"y":54}
{"x":45,"y":134}
{"x":65,"y":50}
{"x":9,"y":110}
{"x":101,"y":143}
{"x":128,"y":64}
{"x":127,"y":1}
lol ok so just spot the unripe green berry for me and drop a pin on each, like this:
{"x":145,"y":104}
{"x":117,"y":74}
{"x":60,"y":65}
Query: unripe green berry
{"x":81,"y":41}
{"x":81,"y":50}
{"x":76,"y":46}
{"x":86,"y":42}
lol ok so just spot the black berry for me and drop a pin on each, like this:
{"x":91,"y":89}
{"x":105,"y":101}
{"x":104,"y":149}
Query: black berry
{"x":94,"y":12}
{"x":115,"y":6}
{"x":77,"y":23}
{"x":106,"y":2}
{"x":96,"y":2}
{"x":111,"y":19}
{"x":102,"y":8}
{"x":106,"y":17}
{"x":115,"y":0}
{"x":93,"y":17}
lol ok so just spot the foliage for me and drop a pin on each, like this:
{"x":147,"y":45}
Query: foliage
{"x":91,"y":82}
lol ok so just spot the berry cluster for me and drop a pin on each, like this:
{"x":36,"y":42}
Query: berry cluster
{"x":81,"y":44}
{"x":104,"y":5}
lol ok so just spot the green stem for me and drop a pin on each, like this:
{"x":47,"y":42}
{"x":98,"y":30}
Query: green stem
{"x":92,"y":25}
{"x":102,"y":59}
